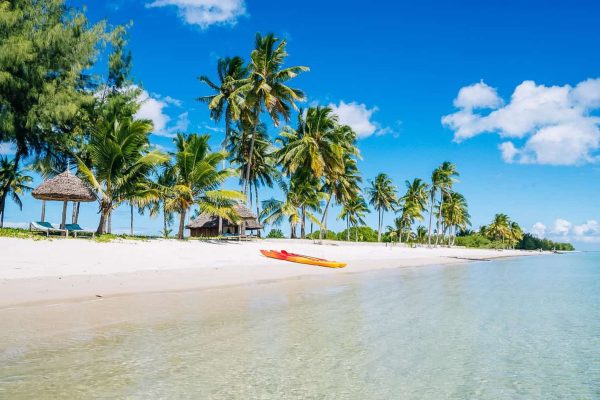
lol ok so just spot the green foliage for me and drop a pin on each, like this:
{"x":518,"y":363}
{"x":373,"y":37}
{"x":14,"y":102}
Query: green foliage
{"x":275,"y":234}
{"x":530,"y":242}
{"x":364,"y":233}
{"x":45,"y":47}
{"x":316,"y":235}
{"x":474,"y":240}
{"x":20,"y":233}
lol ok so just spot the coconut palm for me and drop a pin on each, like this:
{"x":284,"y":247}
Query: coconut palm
{"x":226,"y":103}
{"x":14,"y":182}
{"x":197,"y":181}
{"x":354,"y":211}
{"x":421,"y":234}
{"x":515,"y":234}
{"x":165,"y":180}
{"x":382,"y":195}
{"x":414,"y":202}
{"x":499,"y":228}
{"x":119,"y":160}
{"x":266,"y":87}
{"x":447,"y":174}
{"x":263,"y":171}
{"x":455,"y":214}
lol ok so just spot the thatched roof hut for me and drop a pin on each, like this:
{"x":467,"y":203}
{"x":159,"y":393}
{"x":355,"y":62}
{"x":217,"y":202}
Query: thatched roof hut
{"x":207,"y":225}
{"x":63,"y":187}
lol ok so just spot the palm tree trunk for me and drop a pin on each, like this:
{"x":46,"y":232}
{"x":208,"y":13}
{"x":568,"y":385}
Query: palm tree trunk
{"x":303,"y":223}
{"x":131,"y":219}
{"x":165,"y":233}
{"x":2,"y":205}
{"x":356,"y":233}
{"x":104,"y":211}
{"x":43,"y":210}
{"x":109,"y":228}
{"x":439,"y":219}
{"x":181,"y":224}
{"x":379,"y":226}
{"x":347,"y":228}
{"x":78,"y":205}
{"x":324,"y":218}
{"x":249,"y":165}
{"x":430,"y":218}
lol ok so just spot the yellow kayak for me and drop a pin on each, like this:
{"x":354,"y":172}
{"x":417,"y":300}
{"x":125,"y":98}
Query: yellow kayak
{"x":302,"y":259}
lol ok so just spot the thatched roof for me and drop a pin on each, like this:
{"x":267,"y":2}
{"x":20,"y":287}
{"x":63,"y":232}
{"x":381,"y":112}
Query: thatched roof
{"x":212,"y":221}
{"x":65,"y":186}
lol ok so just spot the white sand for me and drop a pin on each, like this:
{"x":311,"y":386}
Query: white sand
{"x":55,"y":270}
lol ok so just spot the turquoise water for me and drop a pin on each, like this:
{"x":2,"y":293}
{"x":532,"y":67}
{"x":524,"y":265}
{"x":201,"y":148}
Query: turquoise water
{"x":525,"y":328}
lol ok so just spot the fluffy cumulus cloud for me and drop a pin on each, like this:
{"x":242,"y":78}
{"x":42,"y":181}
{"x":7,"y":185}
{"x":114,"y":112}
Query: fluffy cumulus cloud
{"x":7,"y":149}
{"x":555,"y":125}
{"x":360,"y":118}
{"x":153,"y":108}
{"x":563,"y":230}
{"x":205,"y":13}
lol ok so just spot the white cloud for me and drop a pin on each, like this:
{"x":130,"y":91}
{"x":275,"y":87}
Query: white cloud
{"x":359,"y":117}
{"x":7,"y":149}
{"x":561,"y":227}
{"x":153,"y":108}
{"x":538,"y":229}
{"x":556,"y":124}
{"x":205,"y":13}
{"x":591,"y":227}
{"x":478,"y":95}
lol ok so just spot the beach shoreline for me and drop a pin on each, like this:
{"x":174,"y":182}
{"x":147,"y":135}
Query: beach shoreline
{"x":57,"y":271}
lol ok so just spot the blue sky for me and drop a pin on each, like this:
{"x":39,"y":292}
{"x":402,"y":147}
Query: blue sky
{"x":394,"y":70}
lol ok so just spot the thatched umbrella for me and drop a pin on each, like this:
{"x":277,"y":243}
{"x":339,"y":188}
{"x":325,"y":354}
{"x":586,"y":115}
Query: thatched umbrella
{"x":63,"y":187}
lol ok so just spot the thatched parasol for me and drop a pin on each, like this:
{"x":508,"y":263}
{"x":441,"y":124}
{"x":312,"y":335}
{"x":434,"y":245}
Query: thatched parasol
{"x":64,"y":187}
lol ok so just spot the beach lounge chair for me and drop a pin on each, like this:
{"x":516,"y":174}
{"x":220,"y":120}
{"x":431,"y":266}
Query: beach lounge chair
{"x":75,"y":229}
{"x":43,"y":226}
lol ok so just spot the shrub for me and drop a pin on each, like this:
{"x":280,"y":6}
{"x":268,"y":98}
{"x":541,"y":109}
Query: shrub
{"x":275,"y":234}
{"x":365,"y":234}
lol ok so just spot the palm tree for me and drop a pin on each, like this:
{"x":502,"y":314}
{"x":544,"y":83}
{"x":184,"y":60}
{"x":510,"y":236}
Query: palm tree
{"x":455,"y":214}
{"x":266,"y":87}
{"x":120,"y":159}
{"x":382,"y":196}
{"x":263,"y":171}
{"x":499,"y":228}
{"x":421,"y":235}
{"x":197,"y":179}
{"x":447,"y":172}
{"x":436,"y":183}
{"x":325,"y":150}
{"x":165,"y":180}
{"x":226,"y":102}
{"x":414,"y":202}
{"x":13,"y":183}
{"x":354,"y":211}
{"x":515,"y":234}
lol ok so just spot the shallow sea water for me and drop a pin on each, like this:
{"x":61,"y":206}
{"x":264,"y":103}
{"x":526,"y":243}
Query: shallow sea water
{"x":526,"y":328}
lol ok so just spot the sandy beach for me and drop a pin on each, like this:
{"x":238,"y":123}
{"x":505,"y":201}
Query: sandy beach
{"x":65,"y":270}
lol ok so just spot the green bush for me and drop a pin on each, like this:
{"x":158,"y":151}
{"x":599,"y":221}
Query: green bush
{"x":275,"y":234}
{"x":530,"y":242}
{"x":365,"y":234}
{"x":330,"y":235}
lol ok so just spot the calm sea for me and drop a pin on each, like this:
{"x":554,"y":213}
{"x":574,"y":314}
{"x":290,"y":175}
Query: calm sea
{"x":526,"y":328}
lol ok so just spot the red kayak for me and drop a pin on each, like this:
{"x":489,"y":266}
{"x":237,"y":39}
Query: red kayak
{"x":302,"y":259}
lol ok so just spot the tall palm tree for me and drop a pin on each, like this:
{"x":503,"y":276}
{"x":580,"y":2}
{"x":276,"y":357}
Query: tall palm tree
{"x":448,"y":174}
{"x":421,"y":234}
{"x":414,"y":202}
{"x":197,"y":181}
{"x":455,"y":214}
{"x":515,"y":234}
{"x":13,"y":183}
{"x":382,"y":196}
{"x":119,"y":160}
{"x":165,"y":180}
{"x":499,"y":228}
{"x":263,"y":171}
{"x":227,"y":102}
{"x":266,"y":87}
{"x":354,"y":211}
{"x":436,"y":183}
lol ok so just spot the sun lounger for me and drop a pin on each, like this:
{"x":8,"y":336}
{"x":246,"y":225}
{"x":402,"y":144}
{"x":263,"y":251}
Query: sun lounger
{"x":43,"y":226}
{"x":75,"y":229}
